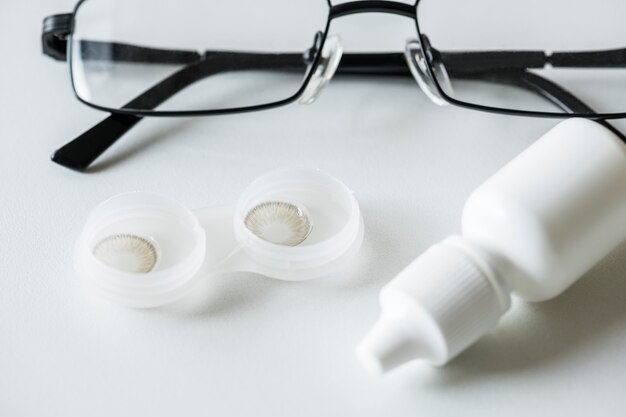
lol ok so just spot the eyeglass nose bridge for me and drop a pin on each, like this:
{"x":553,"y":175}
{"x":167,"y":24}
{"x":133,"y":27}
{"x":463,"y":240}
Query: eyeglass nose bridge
{"x":373,"y":6}
{"x":333,"y":51}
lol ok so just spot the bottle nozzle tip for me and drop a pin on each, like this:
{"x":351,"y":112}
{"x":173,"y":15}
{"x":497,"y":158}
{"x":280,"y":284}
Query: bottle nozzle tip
{"x":370,"y":362}
{"x":388,"y":346}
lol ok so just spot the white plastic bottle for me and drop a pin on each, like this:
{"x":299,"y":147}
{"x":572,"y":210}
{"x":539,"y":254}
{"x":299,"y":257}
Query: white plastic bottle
{"x":532,"y":229}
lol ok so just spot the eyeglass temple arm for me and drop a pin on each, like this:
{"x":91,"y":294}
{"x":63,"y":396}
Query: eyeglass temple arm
{"x":547,"y":89}
{"x":81,"y":152}
{"x":55,"y":46}
{"x":559,"y":96}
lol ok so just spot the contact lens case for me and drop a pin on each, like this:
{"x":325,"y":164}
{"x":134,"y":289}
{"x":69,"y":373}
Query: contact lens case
{"x":143,"y":250}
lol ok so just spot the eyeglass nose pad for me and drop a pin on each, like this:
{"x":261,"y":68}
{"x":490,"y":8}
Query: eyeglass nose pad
{"x":419,"y":68}
{"x":329,"y":61}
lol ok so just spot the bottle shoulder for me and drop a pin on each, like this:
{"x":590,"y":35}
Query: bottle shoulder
{"x":517,"y":241}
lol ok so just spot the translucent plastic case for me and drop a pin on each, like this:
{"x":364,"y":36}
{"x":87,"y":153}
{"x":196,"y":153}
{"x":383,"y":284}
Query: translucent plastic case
{"x":143,"y":250}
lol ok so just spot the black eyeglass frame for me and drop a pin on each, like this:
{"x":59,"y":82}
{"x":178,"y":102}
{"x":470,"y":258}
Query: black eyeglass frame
{"x":335,"y":11}
{"x":510,"y":67}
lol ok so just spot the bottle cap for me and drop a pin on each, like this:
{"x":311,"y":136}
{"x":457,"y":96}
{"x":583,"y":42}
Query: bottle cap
{"x":439,"y":305}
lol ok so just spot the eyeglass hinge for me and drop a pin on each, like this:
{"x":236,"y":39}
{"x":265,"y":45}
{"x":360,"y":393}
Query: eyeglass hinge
{"x":56,"y":30}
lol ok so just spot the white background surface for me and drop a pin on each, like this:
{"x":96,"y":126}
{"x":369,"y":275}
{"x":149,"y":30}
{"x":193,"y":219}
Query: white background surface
{"x":256,"y":347}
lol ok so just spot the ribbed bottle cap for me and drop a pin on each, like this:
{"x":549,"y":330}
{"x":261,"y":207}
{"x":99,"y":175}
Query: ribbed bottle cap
{"x":438,"y":306}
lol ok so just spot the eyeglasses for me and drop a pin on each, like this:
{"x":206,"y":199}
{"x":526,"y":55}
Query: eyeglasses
{"x":210,"y":57}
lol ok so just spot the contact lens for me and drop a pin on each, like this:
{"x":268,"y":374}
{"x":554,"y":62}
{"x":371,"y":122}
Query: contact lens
{"x":279,"y":222}
{"x":127,"y":253}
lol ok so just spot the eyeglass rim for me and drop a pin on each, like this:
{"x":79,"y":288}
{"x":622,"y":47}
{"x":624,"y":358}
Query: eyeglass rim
{"x":500,"y":110}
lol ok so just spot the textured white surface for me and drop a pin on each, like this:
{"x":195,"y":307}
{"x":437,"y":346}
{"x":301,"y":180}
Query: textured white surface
{"x":252,"y":346}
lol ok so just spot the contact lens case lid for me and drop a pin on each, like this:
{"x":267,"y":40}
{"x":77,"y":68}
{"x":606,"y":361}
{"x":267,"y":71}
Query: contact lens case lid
{"x":144,"y":250}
